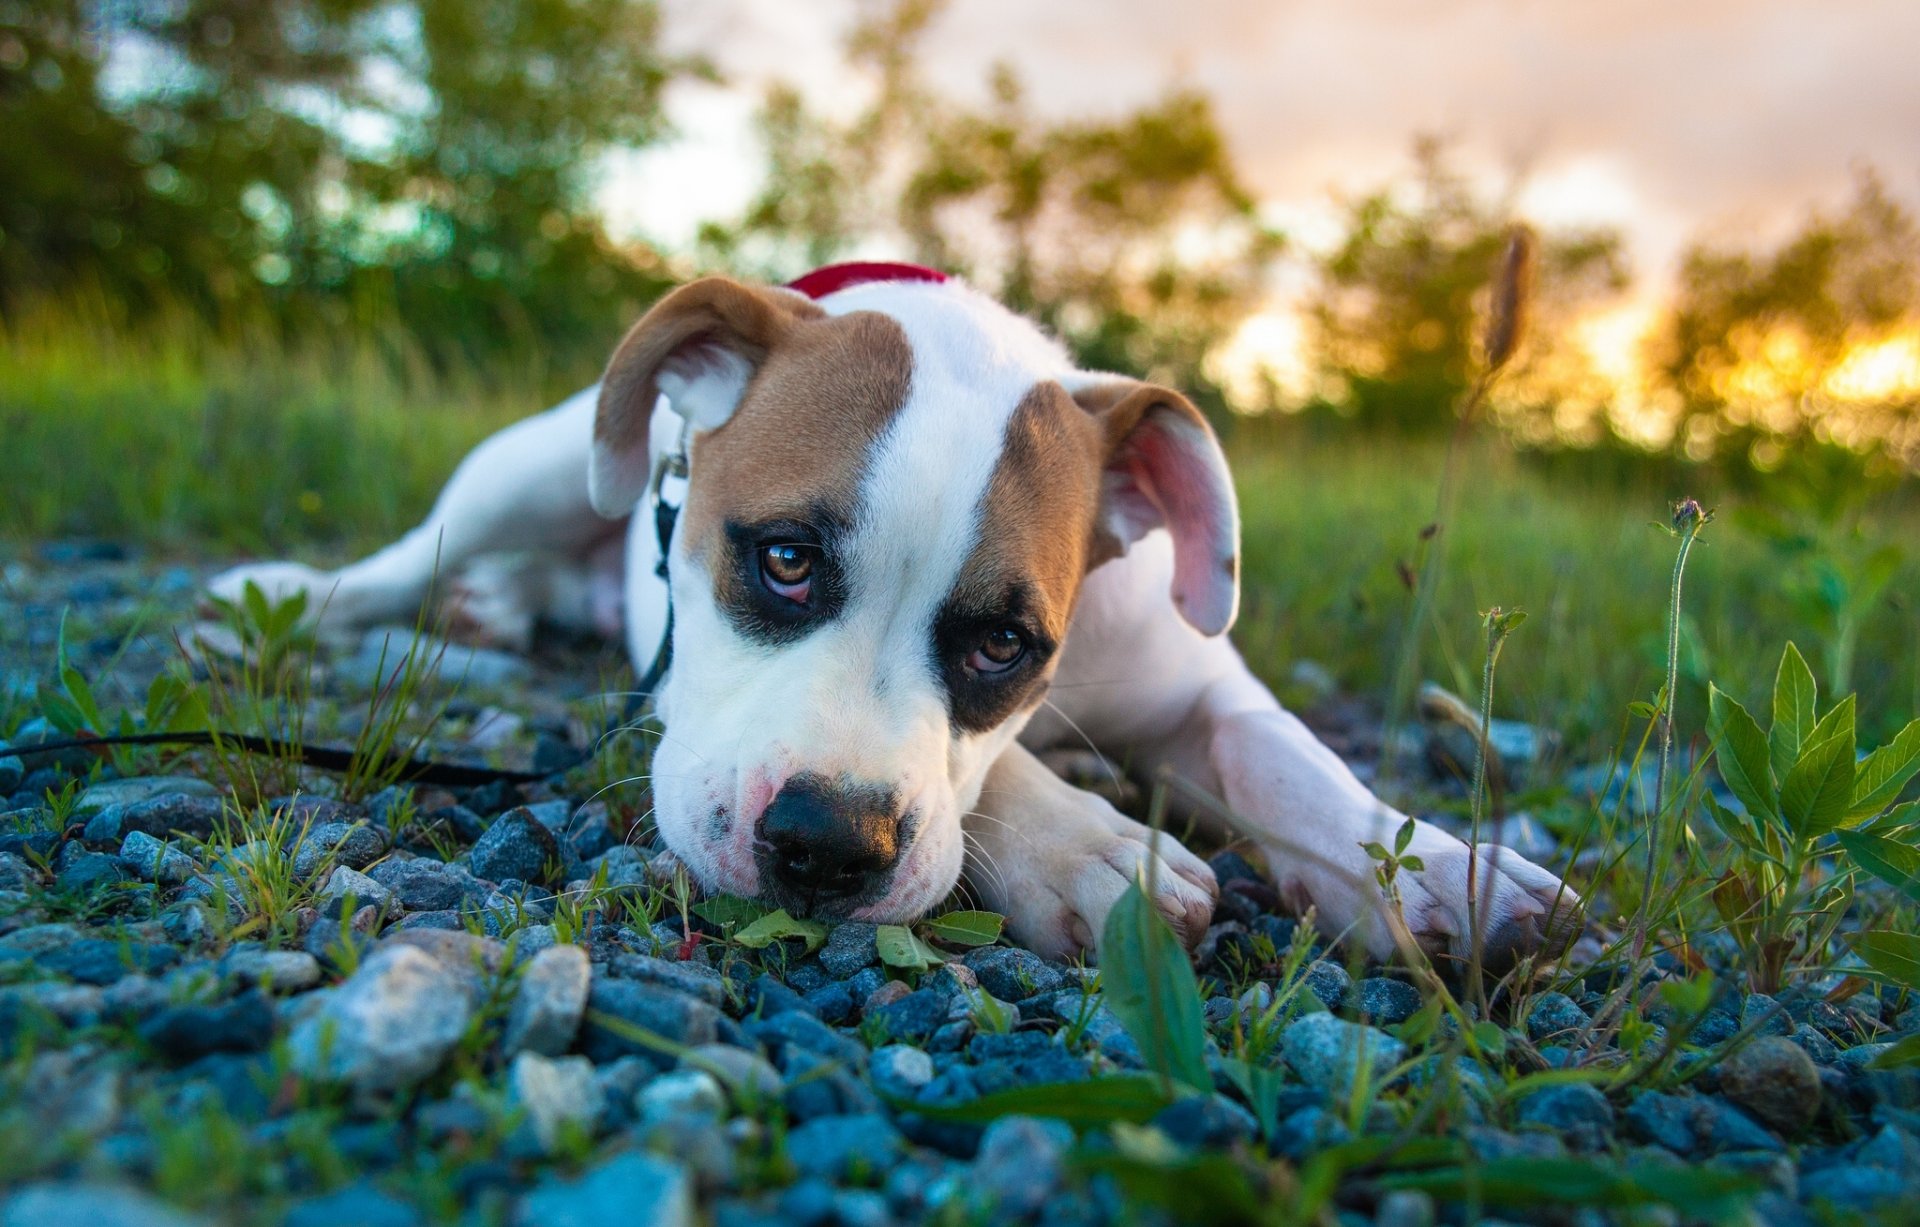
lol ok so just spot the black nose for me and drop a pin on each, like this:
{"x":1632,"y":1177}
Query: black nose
{"x":828,"y":841}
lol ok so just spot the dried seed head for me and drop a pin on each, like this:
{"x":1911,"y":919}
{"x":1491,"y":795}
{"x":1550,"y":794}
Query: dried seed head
{"x":1512,"y":297}
{"x":1688,"y":514}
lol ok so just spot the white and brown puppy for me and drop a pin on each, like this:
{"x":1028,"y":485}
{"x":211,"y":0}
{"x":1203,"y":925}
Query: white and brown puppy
{"x":918,"y":545}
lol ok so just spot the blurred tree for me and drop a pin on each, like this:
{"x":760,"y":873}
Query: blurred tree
{"x":1131,"y":238}
{"x":428,"y":158}
{"x":1809,"y":348}
{"x":1395,"y":305}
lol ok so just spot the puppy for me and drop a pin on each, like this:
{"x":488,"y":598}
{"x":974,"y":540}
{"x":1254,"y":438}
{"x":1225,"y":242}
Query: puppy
{"x":917,"y":548}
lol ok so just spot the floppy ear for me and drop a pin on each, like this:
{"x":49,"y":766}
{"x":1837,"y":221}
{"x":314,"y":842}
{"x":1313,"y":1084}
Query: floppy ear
{"x":1164,"y":469}
{"x":699,"y":347}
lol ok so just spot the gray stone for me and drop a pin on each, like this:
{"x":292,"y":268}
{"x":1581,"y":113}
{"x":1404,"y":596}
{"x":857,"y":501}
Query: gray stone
{"x":633,"y":1009}
{"x":90,"y":872}
{"x":851,"y":947}
{"x":281,"y":971}
{"x":173,"y":813}
{"x":690,"y":1091}
{"x":899,"y":1071}
{"x":1555,"y":1018}
{"x":12,"y":769}
{"x":189,"y":1032}
{"x":550,"y":1001}
{"x":102,"y":961}
{"x":557,"y":1097}
{"x":1012,"y":974}
{"x":914,"y":1017}
{"x":16,"y":872}
{"x":89,"y":1205}
{"x":748,"y":1076}
{"x":356,"y":1205}
{"x":423,"y":885}
{"x":1768,"y":1016}
{"x":1331,"y":1054}
{"x":1774,"y":1079}
{"x":693,"y":979}
{"x":139,"y":788}
{"x":1327,"y":981}
{"x":346,"y":885}
{"x":154,"y":861}
{"x":385,"y":1029}
{"x":1577,"y":1111}
{"x":1206,"y":1122}
{"x":1854,"y":1187}
{"x":353,"y":844}
{"x":1021,"y":1162}
{"x":516,"y":846}
{"x":1308,"y":1131}
{"x":840,"y":1147}
{"x":1384,"y":1002}
{"x":628,"y":1190}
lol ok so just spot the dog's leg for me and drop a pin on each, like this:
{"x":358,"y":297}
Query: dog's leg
{"x":1054,"y":860}
{"x":523,"y":489}
{"x":1312,"y":819}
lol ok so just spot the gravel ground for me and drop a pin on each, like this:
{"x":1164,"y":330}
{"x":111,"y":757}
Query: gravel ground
{"x":489,"y":1006}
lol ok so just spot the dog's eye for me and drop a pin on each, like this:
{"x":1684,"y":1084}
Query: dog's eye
{"x":1000,"y":649}
{"x":787,"y":570}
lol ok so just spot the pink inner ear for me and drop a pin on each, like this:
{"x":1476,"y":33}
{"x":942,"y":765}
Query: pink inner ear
{"x":1171,"y":473}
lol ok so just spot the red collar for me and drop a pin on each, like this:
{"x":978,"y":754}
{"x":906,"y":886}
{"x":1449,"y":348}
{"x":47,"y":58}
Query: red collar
{"x":836,"y":277}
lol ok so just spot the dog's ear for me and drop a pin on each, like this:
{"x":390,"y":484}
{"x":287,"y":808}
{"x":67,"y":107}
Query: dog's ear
{"x":1163,"y":468}
{"x":699,"y":347}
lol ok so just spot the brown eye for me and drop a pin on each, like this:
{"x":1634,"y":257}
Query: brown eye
{"x":1000,"y":650}
{"x":787,"y":570}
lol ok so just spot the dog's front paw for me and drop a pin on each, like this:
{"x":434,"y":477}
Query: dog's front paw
{"x":1519,"y":908}
{"x":278,"y":582}
{"x":1058,"y":900}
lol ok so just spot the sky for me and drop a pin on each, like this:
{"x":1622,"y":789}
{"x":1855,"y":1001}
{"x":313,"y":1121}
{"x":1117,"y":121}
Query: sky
{"x":1671,"y":121}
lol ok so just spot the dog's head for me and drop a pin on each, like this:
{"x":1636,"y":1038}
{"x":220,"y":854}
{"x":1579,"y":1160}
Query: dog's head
{"x":895,"y":493}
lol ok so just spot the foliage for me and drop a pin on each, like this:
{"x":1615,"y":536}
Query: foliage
{"x":1796,"y":782}
{"x":1084,"y":225}
{"x":1398,"y":302}
{"x":330,"y":162}
{"x":1758,"y":345}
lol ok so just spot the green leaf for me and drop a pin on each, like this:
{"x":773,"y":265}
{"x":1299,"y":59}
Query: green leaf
{"x":966,"y":928}
{"x":1740,"y":749}
{"x":1150,"y":988}
{"x":1136,"y":1098}
{"x":1815,"y":794}
{"x":1734,"y":826}
{"x":900,"y":948}
{"x":777,"y":925}
{"x":1527,"y":1183}
{"x":1903,"y":1053}
{"x":724,"y":910}
{"x":1894,"y":955}
{"x":1885,"y":772}
{"x":1489,"y":1038}
{"x":1794,"y":697}
{"x":1891,"y":861}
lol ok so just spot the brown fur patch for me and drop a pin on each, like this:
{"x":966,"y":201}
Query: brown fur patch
{"x":798,"y":443}
{"x":1036,"y":521}
{"x":685,"y":328}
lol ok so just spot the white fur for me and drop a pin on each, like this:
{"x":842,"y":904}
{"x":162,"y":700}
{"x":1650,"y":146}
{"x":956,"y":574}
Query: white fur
{"x":857,"y":696}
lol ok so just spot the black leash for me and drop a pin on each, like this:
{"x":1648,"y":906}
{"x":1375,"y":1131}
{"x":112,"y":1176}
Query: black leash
{"x":418,"y":771}
{"x":327,"y":758}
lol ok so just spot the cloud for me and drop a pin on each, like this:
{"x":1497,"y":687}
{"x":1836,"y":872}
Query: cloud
{"x":1671,"y":120}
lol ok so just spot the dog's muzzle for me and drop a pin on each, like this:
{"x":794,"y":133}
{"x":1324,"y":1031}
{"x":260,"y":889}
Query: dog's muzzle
{"x":828,"y":846}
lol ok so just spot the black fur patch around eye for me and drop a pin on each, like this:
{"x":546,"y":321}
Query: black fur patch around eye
{"x":767,"y":617}
{"x":977,"y":702}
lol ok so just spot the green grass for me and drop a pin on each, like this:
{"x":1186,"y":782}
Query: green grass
{"x":1326,"y":520}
